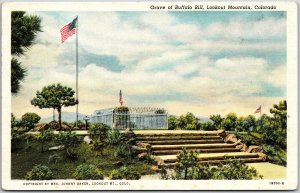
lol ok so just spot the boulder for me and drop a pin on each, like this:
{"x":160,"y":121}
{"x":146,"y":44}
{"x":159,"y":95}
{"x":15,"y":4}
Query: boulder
{"x":155,"y":168}
{"x":59,"y":147}
{"x":221,"y":133}
{"x":144,"y":145}
{"x":41,"y":127}
{"x":87,"y":139}
{"x":159,"y":161}
{"x":142,"y":156}
{"x":242,"y":147}
{"x":255,"y":149}
{"x":139,"y":149}
{"x":230,"y":138}
{"x":263,"y":156}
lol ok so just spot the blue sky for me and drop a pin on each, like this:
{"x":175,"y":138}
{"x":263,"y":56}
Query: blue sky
{"x":200,"y":62}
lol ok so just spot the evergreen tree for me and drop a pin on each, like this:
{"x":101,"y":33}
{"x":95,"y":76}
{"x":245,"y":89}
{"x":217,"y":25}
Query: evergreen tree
{"x":24,"y":29}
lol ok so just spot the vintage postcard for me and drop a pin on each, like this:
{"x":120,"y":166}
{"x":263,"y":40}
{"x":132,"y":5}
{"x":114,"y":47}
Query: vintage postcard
{"x":149,"y":96}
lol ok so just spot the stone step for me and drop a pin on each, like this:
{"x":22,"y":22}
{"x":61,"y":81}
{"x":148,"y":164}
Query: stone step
{"x":215,"y":162}
{"x":173,"y":132}
{"x":214,"y":157}
{"x":181,"y":137}
{"x":214,"y":150}
{"x":191,"y":146}
{"x":180,"y":141}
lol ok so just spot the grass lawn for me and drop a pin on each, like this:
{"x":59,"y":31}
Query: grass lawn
{"x":24,"y":159}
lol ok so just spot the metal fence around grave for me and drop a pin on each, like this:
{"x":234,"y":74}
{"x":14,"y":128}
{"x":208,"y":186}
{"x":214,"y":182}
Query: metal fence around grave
{"x":132,"y":120}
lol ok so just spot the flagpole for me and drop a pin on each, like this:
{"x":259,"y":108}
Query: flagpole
{"x":260,"y":117}
{"x":77,"y":72}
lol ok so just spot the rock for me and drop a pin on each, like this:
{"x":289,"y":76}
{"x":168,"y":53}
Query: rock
{"x":87,"y":139}
{"x":41,"y":127}
{"x":255,"y":149}
{"x":155,"y":168}
{"x":144,"y":145}
{"x":230,"y":138}
{"x":60,"y":147}
{"x":159,"y":161}
{"x":118,"y":163}
{"x":142,"y":156}
{"x":129,"y":137}
{"x":242,"y":147}
{"x":221,"y":133}
{"x":263,"y":156}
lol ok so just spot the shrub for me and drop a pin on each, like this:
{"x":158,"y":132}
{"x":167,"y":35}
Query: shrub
{"x":275,"y":155}
{"x":172,"y":122}
{"x":186,"y":164}
{"x":29,"y":120}
{"x":44,"y":136}
{"x":125,"y":173}
{"x":98,"y":146}
{"x":99,"y":131}
{"x":114,"y":137}
{"x":233,"y":169}
{"x":160,"y":111}
{"x":125,"y":150}
{"x":207,"y":126}
{"x":70,"y":141}
{"x":39,"y":172}
{"x":17,"y":139}
{"x":87,"y":172}
{"x":54,"y":158}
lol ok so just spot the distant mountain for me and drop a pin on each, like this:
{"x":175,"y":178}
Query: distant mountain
{"x":203,"y":119}
{"x":65,"y":116}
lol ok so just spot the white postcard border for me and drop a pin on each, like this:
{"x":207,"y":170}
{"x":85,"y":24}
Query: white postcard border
{"x":292,"y":153}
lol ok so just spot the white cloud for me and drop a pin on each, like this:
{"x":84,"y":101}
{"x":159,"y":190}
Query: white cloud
{"x":264,"y":28}
{"x":145,"y":46}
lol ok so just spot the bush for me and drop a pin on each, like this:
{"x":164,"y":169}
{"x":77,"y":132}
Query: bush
{"x":39,"y":172}
{"x":98,"y":146}
{"x":99,"y":131}
{"x":125,"y":173}
{"x":207,"y":126}
{"x":87,"y":172}
{"x":246,"y":139}
{"x":172,"y":122}
{"x":125,"y":150}
{"x":70,"y":141}
{"x":44,"y":136}
{"x":275,"y":156}
{"x":114,"y":137}
{"x":54,"y":158}
{"x":29,"y":120}
{"x":233,"y":169}
{"x":186,"y":164}
{"x":17,"y":139}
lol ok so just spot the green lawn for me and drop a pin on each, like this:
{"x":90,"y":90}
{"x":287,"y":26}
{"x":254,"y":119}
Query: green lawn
{"x":24,"y":159}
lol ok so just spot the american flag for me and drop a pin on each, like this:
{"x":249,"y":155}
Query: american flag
{"x":68,"y":30}
{"x":121,"y":98}
{"x":258,"y":110}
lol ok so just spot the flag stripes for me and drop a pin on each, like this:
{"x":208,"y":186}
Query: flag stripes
{"x":68,"y":30}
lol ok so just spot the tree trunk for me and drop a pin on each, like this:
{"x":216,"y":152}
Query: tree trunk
{"x":59,"y":117}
